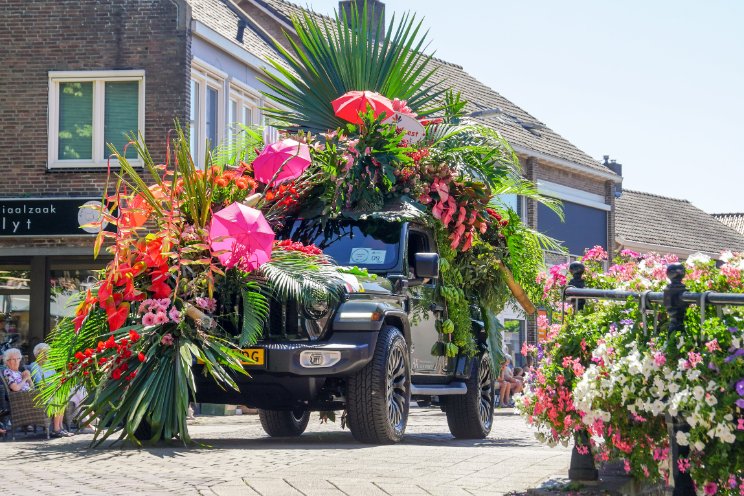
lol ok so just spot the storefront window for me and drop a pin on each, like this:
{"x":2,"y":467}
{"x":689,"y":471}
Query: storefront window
{"x":65,"y":285}
{"x":513,"y":339}
{"x":15,"y":296}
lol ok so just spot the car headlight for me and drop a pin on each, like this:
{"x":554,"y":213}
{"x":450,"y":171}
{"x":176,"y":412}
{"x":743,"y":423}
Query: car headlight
{"x":317,"y":306}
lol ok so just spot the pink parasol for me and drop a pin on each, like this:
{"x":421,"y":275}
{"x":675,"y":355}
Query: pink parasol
{"x":288,"y":155}
{"x":350,"y":104}
{"x":241,"y":237}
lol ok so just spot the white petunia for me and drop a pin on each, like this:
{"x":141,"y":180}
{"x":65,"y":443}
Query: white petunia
{"x":698,"y":392}
{"x":682,"y":438}
{"x":711,"y":400}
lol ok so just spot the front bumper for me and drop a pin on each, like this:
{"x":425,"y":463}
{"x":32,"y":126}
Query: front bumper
{"x":355,"y":349}
{"x":283,"y":383}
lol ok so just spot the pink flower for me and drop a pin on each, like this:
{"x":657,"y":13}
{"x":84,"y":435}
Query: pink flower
{"x":659,"y":359}
{"x":161,"y":318}
{"x":596,"y":253}
{"x":167,"y":340}
{"x":174,"y":315}
{"x":740,"y":425}
{"x":683,"y":464}
{"x":694,"y":358}
{"x":208,"y":304}
{"x":630,"y":254}
{"x":148,"y":319}
{"x":713,"y":345}
{"x":710,"y":488}
{"x":582,"y":450}
{"x":626,"y":465}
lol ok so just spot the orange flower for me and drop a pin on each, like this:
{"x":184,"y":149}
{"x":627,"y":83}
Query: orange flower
{"x":241,"y":183}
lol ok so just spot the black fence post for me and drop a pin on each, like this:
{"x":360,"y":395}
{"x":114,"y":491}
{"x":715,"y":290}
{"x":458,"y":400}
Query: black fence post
{"x":582,"y":464}
{"x":681,"y":482}
{"x":577,"y":272}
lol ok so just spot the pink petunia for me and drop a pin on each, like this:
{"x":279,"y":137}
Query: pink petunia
{"x":148,"y":319}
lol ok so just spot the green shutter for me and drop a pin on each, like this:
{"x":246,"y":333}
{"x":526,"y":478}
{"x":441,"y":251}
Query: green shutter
{"x":75,"y":121}
{"x":120,"y":115}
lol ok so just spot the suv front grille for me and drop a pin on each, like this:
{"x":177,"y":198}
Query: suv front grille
{"x":284,"y":322}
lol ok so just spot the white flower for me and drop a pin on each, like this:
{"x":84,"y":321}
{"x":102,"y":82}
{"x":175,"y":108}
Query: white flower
{"x":698,"y":392}
{"x":693,"y":374}
{"x":673,"y":387}
{"x":699,"y":445}
{"x":726,"y":256}
{"x":697,"y":258}
{"x":682,"y":438}
{"x":711,"y":400}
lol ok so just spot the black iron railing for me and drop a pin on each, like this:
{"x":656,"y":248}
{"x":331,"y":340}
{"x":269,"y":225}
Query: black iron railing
{"x":675,"y":298}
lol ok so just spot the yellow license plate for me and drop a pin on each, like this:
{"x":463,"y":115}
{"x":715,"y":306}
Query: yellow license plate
{"x":256,"y":355}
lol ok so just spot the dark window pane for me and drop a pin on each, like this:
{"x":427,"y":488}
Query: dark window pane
{"x":584,"y":227}
{"x":211,"y":124}
{"x":75,"y":121}
{"x":121,"y":115}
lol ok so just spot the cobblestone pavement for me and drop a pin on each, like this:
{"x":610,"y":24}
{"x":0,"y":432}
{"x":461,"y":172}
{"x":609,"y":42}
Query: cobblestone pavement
{"x":236,"y":457}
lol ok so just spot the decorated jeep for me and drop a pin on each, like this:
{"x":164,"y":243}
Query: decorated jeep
{"x":372,"y":351}
{"x":355,"y":263}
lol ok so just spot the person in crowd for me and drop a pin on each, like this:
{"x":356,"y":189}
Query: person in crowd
{"x":17,"y":380}
{"x":40,"y":372}
{"x":515,"y":385}
{"x":504,"y":388}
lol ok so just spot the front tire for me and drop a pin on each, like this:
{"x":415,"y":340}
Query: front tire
{"x":379,"y":395}
{"x":470,"y":416}
{"x":284,"y":423}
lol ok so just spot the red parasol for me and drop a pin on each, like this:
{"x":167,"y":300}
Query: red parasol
{"x":288,"y":155}
{"x":349,"y":105}
{"x":240,"y":236}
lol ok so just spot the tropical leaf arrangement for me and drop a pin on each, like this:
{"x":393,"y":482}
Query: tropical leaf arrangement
{"x":195,"y":258}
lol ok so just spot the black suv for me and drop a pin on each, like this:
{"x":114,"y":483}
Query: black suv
{"x":370,"y":354}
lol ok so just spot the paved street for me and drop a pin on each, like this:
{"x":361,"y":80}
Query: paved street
{"x":238,"y":458}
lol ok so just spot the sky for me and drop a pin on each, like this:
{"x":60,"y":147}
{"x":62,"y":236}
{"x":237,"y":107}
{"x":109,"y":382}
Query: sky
{"x":657,"y":85}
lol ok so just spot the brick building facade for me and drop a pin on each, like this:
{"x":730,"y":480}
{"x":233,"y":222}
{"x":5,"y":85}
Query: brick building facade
{"x":67,"y":68}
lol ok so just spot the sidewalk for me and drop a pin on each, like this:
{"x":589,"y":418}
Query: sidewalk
{"x":237,"y":458}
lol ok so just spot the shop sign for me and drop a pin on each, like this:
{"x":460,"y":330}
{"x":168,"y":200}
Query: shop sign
{"x":50,"y":217}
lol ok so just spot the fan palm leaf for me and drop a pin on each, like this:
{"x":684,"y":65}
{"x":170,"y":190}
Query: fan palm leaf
{"x":331,"y":59}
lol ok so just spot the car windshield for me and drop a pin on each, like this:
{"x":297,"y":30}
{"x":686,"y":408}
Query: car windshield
{"x":370,"y":244}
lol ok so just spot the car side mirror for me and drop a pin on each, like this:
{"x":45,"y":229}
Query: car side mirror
{"x":427,"y":265}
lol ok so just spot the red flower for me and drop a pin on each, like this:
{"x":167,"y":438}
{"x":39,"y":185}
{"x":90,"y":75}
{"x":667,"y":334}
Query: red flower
{"x":116,"y":375}
{"x":141,"y":356}
{"x":88,"y":353}
{"x":101,"y":360}
{"x":110,"y":342}
{"x":133,"y":336}
{"x":101,"y":346}
{"x":80,"y":357}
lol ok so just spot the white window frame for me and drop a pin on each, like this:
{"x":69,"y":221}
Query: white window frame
{"x":207,"y":75}
{"x":244,"y":96}
{"x":98,"y":78}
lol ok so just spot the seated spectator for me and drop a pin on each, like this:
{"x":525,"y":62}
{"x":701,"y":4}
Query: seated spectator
{"x":504,"y":388}
{"x":17,"y":380}
{"x":41,"y":373}
{"x":516,"y":385}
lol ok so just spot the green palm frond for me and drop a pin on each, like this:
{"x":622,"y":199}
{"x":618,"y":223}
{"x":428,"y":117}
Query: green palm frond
{"x":242,"y":148}
{"x":293,"y":275}
{"x":332,"y":59}
{"x":64,"y":341}
{"x":255,"y":313}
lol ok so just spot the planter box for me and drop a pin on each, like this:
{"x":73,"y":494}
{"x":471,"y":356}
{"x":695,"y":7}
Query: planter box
{"x":217,"y":409}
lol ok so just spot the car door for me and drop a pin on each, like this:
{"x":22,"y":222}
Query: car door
{"x":424,"y":308}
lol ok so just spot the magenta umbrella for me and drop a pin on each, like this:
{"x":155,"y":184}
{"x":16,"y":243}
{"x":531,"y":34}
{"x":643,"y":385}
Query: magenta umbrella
{"x":287,"y":156}
{"x":350,"y":104}
{"x":241,"y":237}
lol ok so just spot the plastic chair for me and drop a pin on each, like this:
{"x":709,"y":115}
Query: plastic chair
{"x":23,"y":410}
